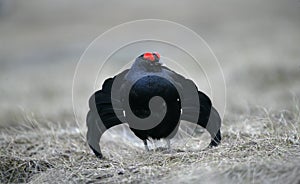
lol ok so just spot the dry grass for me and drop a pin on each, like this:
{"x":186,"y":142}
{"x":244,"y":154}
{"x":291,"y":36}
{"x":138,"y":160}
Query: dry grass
{"x":259,"y":148}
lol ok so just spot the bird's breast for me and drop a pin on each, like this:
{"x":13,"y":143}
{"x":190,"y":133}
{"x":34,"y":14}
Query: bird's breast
{"x":144,"y":89}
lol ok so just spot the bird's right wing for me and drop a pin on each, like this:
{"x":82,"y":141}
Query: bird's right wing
{"x":207,"y":115}
{"x":102,"y":115}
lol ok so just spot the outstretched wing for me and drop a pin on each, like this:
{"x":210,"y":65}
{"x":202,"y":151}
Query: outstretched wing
{"x":208,"y":116}
{"x":101,"y":115}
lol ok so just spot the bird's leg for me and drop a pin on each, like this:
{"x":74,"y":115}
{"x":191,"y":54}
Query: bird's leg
{"x":168,"y":144}
{"x":146,"y":145}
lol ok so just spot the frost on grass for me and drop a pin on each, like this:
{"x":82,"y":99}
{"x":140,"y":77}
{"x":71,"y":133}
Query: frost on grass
{"x":259,"y":147}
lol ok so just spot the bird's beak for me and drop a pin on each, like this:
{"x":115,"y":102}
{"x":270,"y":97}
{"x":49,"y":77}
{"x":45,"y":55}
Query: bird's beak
{"x":157,"y":64}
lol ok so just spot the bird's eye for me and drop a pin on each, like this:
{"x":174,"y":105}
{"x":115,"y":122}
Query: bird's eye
{"x":157,"y":55}
{"x":149,"y":56}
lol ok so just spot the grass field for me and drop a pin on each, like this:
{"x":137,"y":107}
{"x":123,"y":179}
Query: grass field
{"x":257,"y":44}
{"x":262,"y":147}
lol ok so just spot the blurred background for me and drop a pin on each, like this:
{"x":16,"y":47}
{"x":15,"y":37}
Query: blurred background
{"x":256,"y":42}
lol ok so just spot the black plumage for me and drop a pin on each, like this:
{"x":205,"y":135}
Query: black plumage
{"x":141,"y":93}
{"x":146,"y":79}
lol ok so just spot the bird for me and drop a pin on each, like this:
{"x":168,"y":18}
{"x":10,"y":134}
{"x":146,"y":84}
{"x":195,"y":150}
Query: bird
{"x":152,"y":99}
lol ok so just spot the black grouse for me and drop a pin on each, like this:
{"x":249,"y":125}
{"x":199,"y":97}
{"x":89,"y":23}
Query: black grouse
{"x":129,"y":97}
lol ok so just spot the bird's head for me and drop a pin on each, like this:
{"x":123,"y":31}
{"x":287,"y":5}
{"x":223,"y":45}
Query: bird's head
{"x":149,"y":61}
{"x":150,"y":57}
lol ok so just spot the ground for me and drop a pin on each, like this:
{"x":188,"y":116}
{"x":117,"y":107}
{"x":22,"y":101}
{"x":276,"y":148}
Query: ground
{"x":260,"y":148}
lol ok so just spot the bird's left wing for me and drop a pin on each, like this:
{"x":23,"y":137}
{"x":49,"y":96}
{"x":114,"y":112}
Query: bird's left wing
{"x":202,"y":113}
